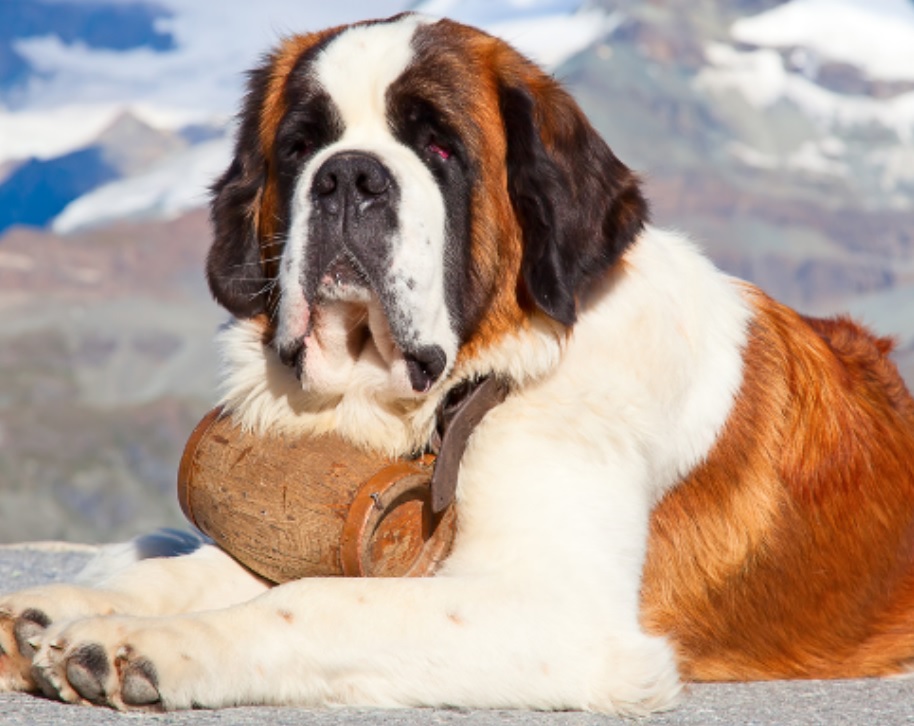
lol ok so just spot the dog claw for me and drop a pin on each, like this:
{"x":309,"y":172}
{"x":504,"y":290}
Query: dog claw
{"x":41,"y":678}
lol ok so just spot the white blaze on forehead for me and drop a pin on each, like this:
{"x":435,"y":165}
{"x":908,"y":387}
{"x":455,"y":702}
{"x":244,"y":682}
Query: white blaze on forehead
{"x":359,"y":65}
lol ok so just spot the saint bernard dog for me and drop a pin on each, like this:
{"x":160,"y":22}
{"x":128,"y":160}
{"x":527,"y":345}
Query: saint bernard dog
{"x":686,"y":481}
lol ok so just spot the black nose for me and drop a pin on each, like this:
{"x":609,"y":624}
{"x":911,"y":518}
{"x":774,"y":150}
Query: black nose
{"x":351,"y":179}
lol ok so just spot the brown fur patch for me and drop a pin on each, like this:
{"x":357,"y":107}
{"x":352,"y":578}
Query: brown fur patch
{"x":460,"y":70}
{"x":790,"y":551}
{"x":474,"y":66}
{"x":283,"y":61}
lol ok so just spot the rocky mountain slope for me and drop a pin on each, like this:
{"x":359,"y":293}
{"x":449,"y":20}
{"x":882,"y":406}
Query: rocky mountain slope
{"x":106,"y":364}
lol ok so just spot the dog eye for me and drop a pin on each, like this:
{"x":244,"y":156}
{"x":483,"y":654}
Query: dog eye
{"x":301,"y":149}
{"x":439,"y":149}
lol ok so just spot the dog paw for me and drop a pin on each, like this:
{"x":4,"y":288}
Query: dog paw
{"x":20,"y":636}
{"x":114,"y":661}
{"x":24,"y":618}
{"x":639,"y":678}
{"x":90,"y":673}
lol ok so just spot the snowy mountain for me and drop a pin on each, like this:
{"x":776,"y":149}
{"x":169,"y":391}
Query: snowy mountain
{"x":841,"y":67}
{"x":184,"y":68}
{"x":780,"y":133}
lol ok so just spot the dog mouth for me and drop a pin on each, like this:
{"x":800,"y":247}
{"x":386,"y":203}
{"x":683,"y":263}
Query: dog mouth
{"x":344,"y":281}
{"x":348,"y":325}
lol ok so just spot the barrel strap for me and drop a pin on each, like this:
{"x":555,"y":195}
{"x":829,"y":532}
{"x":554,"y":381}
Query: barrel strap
{"x":459,"y":413}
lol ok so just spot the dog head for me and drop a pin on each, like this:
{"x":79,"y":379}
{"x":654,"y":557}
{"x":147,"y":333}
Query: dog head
{"x":404,"y":194}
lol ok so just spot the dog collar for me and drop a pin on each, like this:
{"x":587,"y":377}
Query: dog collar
{"x":459,"y":413}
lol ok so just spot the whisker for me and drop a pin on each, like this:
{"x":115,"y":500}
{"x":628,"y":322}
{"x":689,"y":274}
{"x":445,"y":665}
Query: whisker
{"x":275,"y":311}
{"x":358,"y":322}
{"x":265,"y":289}
{"x":236,"y":278}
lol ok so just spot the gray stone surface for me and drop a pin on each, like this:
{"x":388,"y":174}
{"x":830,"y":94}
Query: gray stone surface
{"x":801,"y":703}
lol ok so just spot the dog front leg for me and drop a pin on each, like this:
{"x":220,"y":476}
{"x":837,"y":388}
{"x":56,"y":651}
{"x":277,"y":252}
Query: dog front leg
{"x":444,"y":641}
{"x":202,"y":580}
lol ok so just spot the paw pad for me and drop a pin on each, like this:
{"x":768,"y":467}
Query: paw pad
{"x":87,"y":671}
{"x":28,"y":629}
{"x":139,"y":682}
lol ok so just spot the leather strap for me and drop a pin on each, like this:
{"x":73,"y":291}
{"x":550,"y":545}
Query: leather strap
{"x":459,"y":413}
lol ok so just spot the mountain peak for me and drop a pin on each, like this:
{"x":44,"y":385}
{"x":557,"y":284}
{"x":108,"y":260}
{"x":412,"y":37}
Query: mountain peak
{"x":132,"y":145}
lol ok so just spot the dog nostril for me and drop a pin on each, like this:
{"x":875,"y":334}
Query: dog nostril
{"x":326,"y":184}
{"x":374,"y":182}
{"x":351,"y":178}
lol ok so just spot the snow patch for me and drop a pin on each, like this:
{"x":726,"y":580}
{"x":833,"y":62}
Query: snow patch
{"x":760,"y":76}
{"x":812,"y":157}
{"x":876,"y":36}
{"x":752,"y":157}
{"x":175,"y":185}
{"x":51,"y":132}
{"x":549,"y":32}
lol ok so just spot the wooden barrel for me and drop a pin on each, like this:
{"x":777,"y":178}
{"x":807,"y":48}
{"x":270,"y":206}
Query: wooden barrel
{"x":289,"y":507}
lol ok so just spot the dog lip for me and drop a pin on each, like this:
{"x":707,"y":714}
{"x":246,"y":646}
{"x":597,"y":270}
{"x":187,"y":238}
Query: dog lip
{"x":292,"y":354}
{"x":344,"y":270}
{"x":425,"y":366}
{"x":343,"y":280}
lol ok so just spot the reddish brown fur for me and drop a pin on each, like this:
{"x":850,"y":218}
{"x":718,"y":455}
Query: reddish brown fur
{"x":790,"y":552}
{"x":496,"y":236}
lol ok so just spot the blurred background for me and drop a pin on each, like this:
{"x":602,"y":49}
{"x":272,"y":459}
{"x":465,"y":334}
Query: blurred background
{"x":779,"y":133}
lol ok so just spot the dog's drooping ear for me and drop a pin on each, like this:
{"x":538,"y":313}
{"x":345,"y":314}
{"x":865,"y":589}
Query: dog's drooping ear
{"x":233,"y":267}
{"x":579,"y":207}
